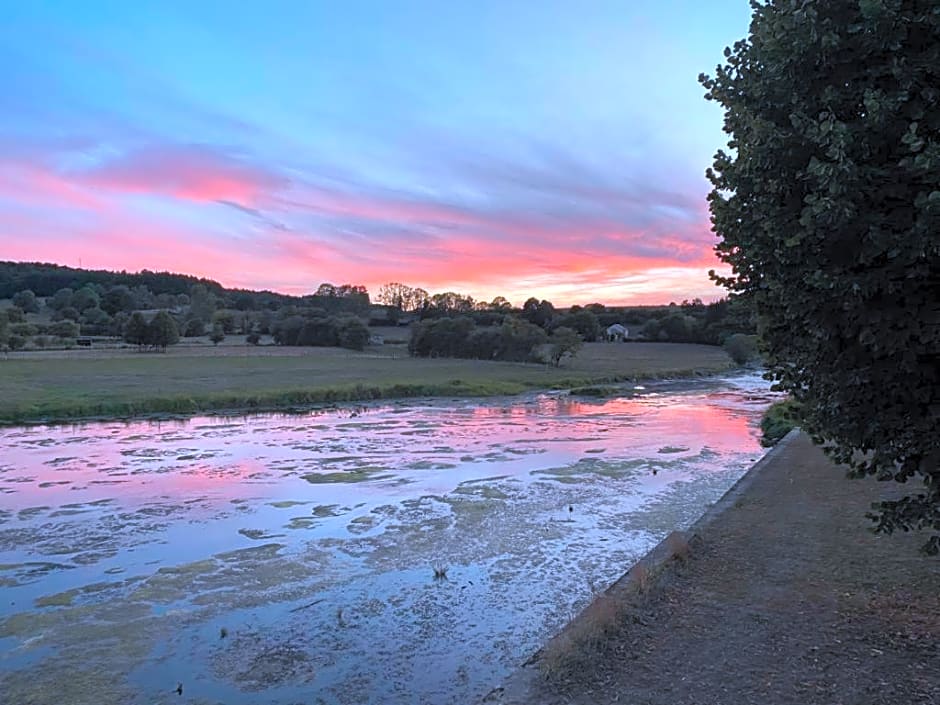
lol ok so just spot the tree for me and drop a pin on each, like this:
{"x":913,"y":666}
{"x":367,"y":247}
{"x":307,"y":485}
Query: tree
{"x":163,"y":331}
{"x":217,"y":335}
{"x":15,"y":314}
{"x":66,"y":314}
{"x":85,"y":298}
{"x":583,"y":322}
{"x":828,"y":208}
{"x":564,"y":341}
{"x":95,"y":321}
{"x":419,"y":300}
{"x":202,"y":303}
{"x":136,"y":330}
{"x":395,"y":294}
{"x":61,"y":299}
{"x":538,"y":312}
{"x":26,"y":300}
{"x":194,"y":328}
{"x":116,"y":299}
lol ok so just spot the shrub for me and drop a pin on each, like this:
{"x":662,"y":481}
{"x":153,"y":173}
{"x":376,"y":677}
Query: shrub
{"x":15,"y":342}
{"x":353,"y":333}
{"x":217,"y":335}
{"x":742,"y":348}
{"x":194,"y":328}
{"x":63,"y":329}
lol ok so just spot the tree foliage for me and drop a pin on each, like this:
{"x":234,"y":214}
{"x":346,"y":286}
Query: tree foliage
{"x":163,"y":331}
{"x":26,"y":300}
{"x":514,"y":339}
{"x":564,"y":341}
{"x":828,"y":209}
{"x":402,"y":296}
{"x":135,"y":332}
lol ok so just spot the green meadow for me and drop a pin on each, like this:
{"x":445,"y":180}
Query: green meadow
{"x":59,"y":386}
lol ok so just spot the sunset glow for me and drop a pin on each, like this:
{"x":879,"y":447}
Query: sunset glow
{"x":496,"y":149}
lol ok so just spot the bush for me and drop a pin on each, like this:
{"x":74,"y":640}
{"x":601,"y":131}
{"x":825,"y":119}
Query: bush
{"x":742,"y":348}
{"x":564,"y":341}
{"x":583,"y":322}
{"x":15,"y":315}
{"x":217,"y":335}
{"x":63,"y":329}
{"x":353,"y":334}
{"x":194,"y":328}
{"x":15,"y":342}
{"x":778,"y":421}
{"x":458,"y":337}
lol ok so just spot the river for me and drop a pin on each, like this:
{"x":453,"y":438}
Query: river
{"x":399,"y":552}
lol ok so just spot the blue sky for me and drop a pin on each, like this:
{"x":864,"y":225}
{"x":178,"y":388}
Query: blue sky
{"x":548,"y":149}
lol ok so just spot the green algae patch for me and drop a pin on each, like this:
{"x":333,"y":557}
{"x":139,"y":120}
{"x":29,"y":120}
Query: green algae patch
{"x":327,"y":510}
{"x":342,"y":476}
{"x":482,"y":491}
{"x":61,"y":599}
{"x":258,"y":534}
{"x":286,"y":504}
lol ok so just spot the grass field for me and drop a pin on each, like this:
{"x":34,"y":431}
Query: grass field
{"x":63,"y":385}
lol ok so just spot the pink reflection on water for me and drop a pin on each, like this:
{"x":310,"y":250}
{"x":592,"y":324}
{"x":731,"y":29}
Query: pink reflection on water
{"x":263,"y":457}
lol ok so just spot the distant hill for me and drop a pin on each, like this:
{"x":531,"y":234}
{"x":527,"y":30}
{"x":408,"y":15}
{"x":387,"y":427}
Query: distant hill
{"x":45,"y":279}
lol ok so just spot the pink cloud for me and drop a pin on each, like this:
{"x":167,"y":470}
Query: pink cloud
{"x":188,"y":172}
{"x":34,"y":184}
{"x":342,"y":236}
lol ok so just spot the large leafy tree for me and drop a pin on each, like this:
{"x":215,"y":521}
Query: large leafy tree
{"x":162,"y":331}
{"x":827,"y":205}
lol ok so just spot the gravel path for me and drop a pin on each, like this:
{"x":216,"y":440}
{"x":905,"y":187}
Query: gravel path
{"x":785,"y":598}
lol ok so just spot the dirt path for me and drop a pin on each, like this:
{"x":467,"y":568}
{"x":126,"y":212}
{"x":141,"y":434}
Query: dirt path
{"x":786,"y":598}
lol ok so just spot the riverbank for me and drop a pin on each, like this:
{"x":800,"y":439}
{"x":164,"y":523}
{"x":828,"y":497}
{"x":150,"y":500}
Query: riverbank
{"x":52,"y":387}
{"x":780,"y":595}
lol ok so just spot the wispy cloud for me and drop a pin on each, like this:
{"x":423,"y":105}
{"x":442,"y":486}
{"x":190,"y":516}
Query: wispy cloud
{"x":331,"y":168}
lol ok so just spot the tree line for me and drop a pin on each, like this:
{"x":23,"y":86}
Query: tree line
{"x":333,"y":315}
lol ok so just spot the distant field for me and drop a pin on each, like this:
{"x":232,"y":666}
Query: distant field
{"x":60,"y":385}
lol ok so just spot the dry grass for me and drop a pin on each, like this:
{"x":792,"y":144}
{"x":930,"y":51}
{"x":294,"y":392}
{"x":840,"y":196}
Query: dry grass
{"x":577,"y":645}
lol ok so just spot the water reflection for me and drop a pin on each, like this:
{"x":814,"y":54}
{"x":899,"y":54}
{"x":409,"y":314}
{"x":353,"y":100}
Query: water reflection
{"x":352,"y":505}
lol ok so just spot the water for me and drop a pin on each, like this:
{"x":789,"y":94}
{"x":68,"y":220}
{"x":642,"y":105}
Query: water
{"x":296,"y":555}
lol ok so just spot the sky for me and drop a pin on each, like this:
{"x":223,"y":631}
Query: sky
{"x":530,"y":148}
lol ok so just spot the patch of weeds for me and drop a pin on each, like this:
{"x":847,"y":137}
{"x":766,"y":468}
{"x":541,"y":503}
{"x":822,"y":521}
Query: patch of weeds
{"x":779,"y":420}
{"x":440,"y":571}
